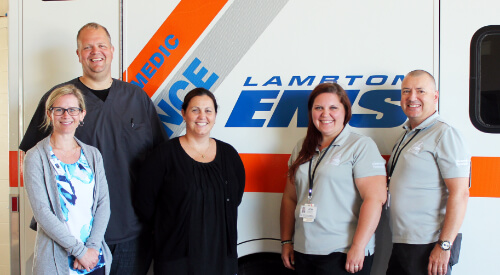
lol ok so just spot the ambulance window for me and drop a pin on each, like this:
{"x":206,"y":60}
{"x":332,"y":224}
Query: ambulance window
{"x":484,"y":109}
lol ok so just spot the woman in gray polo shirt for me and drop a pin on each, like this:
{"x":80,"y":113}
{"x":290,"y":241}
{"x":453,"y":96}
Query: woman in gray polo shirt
{"x":333,"y":199}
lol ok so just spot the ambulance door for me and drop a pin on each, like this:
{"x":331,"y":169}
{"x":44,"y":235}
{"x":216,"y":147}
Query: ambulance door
{"x":470,"y":100}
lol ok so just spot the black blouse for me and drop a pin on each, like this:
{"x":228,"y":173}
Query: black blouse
{"x":192,"y":208}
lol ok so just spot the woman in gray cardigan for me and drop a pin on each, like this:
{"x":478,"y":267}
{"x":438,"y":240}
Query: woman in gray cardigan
{"x":68,"y":193}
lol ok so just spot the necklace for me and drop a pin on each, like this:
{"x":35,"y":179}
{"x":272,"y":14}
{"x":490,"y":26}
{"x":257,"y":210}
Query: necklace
{"x":202,"y":155}
{"x":65,"y":153}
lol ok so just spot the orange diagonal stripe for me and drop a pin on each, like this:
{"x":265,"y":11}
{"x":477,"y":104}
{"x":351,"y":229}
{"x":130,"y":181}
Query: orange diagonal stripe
{"x":184,"y":26}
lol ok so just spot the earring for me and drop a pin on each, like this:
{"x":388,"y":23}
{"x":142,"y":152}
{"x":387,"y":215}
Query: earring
{"x":81,"y":123}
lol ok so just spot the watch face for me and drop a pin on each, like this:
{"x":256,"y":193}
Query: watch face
{"x":445,"y":245}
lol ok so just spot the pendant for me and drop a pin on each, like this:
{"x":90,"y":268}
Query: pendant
{"x":203,"y":156}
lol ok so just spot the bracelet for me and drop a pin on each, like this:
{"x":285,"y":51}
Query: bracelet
{"x":286,"y":242}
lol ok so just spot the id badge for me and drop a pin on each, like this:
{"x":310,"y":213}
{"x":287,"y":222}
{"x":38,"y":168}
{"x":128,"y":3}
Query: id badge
{"x":308,"y":212}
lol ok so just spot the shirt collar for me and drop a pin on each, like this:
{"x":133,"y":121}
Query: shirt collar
{"x":342,"y":137}
{"x":425,"y":124}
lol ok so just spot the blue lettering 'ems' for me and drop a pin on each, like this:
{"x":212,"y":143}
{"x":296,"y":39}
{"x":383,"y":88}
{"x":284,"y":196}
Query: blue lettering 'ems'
{"x":392,"y":115}
{"x":296,"y":101}
{"x":291,"y":102}
{"x":248,"y":103}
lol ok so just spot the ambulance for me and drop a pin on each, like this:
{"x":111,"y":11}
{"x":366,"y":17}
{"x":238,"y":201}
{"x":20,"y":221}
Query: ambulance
{"x":261,"y":59}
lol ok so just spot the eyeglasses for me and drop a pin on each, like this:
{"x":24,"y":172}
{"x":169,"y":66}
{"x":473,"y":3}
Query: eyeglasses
{"x":58,"y":111}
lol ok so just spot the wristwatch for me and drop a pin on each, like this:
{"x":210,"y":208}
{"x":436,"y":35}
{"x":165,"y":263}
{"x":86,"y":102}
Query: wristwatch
{"x":445,"y":245}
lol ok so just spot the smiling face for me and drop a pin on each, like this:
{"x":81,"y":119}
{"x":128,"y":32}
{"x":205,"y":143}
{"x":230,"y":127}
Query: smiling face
{"x":95,"y":53}
{"x":65,"y":123}
{"x":199,"y":116}
{"x":328,"y":115}
{"x":418,"y":98}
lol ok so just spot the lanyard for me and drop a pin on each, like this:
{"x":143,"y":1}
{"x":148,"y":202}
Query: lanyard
{"x":311,"y":177}
{"x":398,"y":153}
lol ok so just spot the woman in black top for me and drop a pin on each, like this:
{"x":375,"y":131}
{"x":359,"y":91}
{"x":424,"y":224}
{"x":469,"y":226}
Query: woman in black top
{"x":190,"y":189}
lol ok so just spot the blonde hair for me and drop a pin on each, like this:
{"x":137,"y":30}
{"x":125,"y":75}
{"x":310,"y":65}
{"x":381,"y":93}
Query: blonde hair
{"x":68,"y":89}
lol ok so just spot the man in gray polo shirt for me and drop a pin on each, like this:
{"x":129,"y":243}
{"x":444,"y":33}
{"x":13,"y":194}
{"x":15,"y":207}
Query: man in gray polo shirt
{"x":428,"y":184}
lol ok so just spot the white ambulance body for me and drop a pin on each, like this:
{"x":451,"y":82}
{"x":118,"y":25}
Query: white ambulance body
{"x":261,"y":59}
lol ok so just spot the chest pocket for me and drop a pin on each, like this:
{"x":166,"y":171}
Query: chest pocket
{"x":136,"y":136}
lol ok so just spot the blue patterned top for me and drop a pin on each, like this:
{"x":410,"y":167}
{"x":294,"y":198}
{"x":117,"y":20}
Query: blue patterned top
{"x":75,"y":183}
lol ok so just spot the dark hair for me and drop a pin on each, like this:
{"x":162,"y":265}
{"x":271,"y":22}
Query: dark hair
{"x":198,"y":92}
{"x":313,"y":136}
{"x":94,"y":26}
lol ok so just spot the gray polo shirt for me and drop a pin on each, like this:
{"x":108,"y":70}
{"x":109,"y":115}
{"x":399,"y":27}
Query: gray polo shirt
{"x":418,"y":192}
{"x":335,"y":194}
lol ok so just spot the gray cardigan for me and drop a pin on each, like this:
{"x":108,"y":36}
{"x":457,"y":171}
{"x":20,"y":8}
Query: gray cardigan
{"x":53,"y":240}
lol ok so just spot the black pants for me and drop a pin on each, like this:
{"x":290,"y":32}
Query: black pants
{"x":333,"y":263}
{"x":132,"y":257}
{"x":411,"y":259}
{"x":99,"y":271}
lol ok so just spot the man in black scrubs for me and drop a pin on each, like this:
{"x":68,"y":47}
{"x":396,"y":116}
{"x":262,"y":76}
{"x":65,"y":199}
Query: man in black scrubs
{"x":122,"y":123}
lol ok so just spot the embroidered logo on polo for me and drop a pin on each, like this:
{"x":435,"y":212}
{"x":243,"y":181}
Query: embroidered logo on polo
{"x":416,"y":148}
{"x":335,"y":160}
